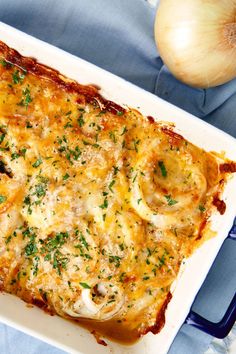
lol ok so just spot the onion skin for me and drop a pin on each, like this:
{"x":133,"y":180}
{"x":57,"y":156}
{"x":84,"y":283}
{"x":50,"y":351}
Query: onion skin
{"x":196,"y":40}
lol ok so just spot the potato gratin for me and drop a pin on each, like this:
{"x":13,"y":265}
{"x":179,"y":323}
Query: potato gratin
{"x":99,"y":205}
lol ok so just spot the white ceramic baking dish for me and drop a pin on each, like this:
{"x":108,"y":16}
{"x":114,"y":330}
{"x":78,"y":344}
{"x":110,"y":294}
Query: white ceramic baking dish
{"x":69,"y":336}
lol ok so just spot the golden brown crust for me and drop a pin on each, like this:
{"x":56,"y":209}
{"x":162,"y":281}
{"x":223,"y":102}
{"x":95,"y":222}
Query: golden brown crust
{"x":219,"y":204}
{"x":228,"y":167}
{"x":86,"y":93}
{"x":160,"y":320}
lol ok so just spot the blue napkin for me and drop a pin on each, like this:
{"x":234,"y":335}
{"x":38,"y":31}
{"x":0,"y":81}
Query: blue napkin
{"x":118,"y":36}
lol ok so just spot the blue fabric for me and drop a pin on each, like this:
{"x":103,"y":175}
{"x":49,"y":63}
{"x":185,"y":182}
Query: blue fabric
{"x":118,"y":36}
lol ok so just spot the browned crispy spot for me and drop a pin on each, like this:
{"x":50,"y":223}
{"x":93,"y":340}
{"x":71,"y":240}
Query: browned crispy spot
{"x":98,"y":338}
{"x":4,"y":169}
{"x":219,"y":204}
{"x":151,"y":119}
{"x":1,"y":284}
{"x":89,"y":93}
{"x":129,"y":278}
{"x":39,"y":303}
{"x":160,"y":320}
{"x":112,"y":107}
{"x":201,"y":228}
{"x":175,"y":139}
{"x":229,"y":167}
{"x":171,"y":133}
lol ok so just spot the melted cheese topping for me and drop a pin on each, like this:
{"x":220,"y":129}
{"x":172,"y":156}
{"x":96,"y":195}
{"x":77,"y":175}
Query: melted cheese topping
{"x":98,"y":206}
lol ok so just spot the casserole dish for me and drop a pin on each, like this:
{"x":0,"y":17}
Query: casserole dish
{"x":121,"y":92}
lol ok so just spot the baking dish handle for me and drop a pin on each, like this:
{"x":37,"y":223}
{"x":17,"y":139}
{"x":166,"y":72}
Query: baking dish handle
{"x":232,"y":233}
{"x":218,"y":330}
{"x":222,"y":328}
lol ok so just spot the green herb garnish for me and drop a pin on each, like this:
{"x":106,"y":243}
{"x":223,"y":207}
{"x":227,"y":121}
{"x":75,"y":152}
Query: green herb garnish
{"x":104,"y":205}
{"x":3,"y":63}
{"x":66,"y":176}
{"x":26,"y":99}
{"x":40,"y":190}
{"x":115,"y":259}
{"x":14,"y":156}
{"x":124,"y":131}
{"x":85,"y":285}
{"x":31,"y":249}
{"x":162,"y":168}
{"x":2,"y":199}
{"x":80,"y":120}
{"x":201,"y":208}
{"x":112,"y":136}
{"x":111,"y":185}
{"x":17,"y":77}
{"x":170,"y":200}
{"x":2,"y":136}
{"x":37,"y":163}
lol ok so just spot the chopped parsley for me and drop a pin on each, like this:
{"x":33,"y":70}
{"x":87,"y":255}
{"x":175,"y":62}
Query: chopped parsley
{"x":69,"y":153}
{"x":122,"y":277}
{"x":57,"y":241}
{"x":136,"y":142}
{"x":68,"y":125}
{"x":80,"y":120}
{"x":18,"y":77}
{"x":112,"y":136}
{"x":170,"y":200}
{"x":14,"y":156}
{"x":104,"y":205}
{"x":26,"y":99}
{"x":122,"y":246}
{"x":23,"y":152}
{"x":201,"y":208}
{"x":3,"y":63}
{"x":27,"y":201}
{"x":124,"y":131}
{"x":111,"y":185}
{"x":8,"y":239}
{"x":50,"y":250}
{"x":2,"y":137}
{"x":162,"y":260}
{"x":37,"y":163}
{"x":2,"y":198}
{"x":162,"y":168}
{"x":66,"y":176}
{"x":115,"y":259}
{"x":36,"y":265}
{"x":40,"y":190}
{"x":83,"y":241}
{"x":31,"y":248}
{"x":59,"y":261}
{"x":28,"y":125}
{"x":85,"y":285}
{"x":116,"y":170}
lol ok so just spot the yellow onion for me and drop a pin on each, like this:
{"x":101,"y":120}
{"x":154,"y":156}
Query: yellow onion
{"x":196,"y":40}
